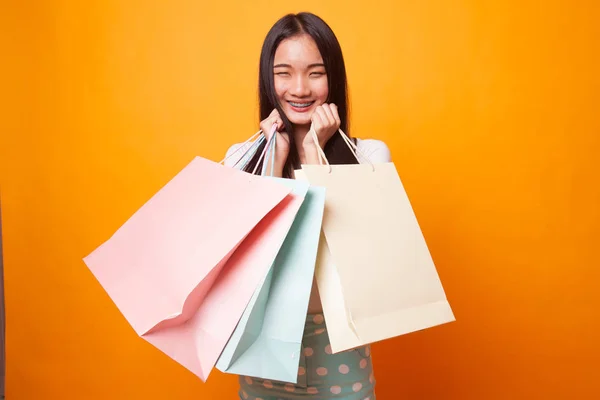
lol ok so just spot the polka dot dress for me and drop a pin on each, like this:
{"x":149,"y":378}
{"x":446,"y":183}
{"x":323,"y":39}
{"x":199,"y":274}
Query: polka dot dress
{"x":321,"y":375}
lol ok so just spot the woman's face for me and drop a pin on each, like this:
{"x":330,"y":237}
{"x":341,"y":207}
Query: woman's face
{"x":300,"y":78}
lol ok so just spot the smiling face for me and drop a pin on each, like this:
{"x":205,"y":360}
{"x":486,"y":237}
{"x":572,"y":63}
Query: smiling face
{"x":300,"y":78}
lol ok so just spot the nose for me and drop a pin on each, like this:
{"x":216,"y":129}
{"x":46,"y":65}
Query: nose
{"x":300,"y":87}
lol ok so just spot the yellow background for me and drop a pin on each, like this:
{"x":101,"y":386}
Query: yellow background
{"x":492,"y":113}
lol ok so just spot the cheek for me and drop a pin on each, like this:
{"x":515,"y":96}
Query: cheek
{"x":280,"y":88}
{"x":321,"y":90}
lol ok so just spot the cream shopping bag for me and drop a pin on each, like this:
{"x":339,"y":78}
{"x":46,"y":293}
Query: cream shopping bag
{"x":375,"y":274}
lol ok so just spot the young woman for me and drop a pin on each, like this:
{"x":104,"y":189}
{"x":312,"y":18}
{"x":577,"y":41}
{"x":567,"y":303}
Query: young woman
{"x":302,"y":83}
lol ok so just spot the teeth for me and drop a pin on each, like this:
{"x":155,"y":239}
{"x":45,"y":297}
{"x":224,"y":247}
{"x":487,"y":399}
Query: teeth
{"x":301,"y":105}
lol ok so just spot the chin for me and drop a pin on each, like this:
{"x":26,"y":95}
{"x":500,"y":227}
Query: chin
{"x":300,"y":121}
{"x":298,"y":118}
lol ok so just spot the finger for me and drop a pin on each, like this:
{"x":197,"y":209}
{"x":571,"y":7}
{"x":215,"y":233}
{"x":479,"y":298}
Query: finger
{"x":329,"y":115}
{"x":336,"y":115}
{"x":275,"y":120}
{"x":267,"y":124}
{"x":317,"y":119}
{"x":324,"y":118}
{"x":280,"y":125}
{"x":277,"y":117}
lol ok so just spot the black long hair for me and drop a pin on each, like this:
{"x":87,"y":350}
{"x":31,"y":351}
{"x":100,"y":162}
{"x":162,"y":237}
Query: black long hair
{"x":290,"y":25}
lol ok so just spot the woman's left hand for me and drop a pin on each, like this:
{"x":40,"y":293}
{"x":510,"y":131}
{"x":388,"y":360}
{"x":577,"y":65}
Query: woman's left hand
{"x":325,"y":122}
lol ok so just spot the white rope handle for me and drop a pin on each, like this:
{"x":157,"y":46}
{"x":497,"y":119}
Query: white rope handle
{"x":353,"y":148}
{"x":273,"y":137}
{"x":241,"y":147}
{"x":320,"y":152}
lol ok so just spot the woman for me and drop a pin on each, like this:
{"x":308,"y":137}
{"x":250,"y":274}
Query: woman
{"x":302,"y":83}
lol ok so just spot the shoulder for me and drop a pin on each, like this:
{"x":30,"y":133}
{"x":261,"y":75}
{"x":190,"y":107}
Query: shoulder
{"x":235,"y":153}
{"x":375,"y":151}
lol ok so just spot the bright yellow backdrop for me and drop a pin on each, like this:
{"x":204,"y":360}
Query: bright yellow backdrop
{"x":491,"y":110}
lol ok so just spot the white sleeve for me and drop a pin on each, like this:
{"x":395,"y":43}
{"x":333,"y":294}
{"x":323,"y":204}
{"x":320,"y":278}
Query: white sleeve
{"x":375,"y":151}
{"x":235,"y":153}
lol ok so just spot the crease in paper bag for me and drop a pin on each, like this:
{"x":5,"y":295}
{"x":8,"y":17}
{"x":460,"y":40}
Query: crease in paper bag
{"x":194,"y":298}
{"x":248,"y":337}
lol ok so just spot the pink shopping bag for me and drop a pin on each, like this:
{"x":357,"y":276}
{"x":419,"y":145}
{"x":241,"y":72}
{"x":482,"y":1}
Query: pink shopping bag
{"x":183,"y":267}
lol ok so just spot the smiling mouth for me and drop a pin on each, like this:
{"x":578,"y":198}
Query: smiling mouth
{"x":301,"y":105}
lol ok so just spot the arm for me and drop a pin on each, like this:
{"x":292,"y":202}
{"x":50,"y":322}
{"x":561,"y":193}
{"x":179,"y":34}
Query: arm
{"x":375,"y":151}
{"x":235,"y":153}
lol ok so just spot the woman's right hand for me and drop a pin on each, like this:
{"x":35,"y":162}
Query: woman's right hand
{"x":282,"y":142}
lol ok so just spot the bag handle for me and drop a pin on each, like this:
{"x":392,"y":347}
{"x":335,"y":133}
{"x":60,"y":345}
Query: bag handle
{"x":253,"y":147}
{"x":270,"y":147}
{"x":353,"y":148}
{"x":251,"y":151}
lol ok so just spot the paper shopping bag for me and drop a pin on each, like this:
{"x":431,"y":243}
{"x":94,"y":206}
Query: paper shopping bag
{"x":388,"y":283}
{"x":182,"y":269}
{"x":267,"y":341}
{"x":341,"y":336}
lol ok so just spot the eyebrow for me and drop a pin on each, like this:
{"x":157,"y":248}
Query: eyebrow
{"x":289,"y":66}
